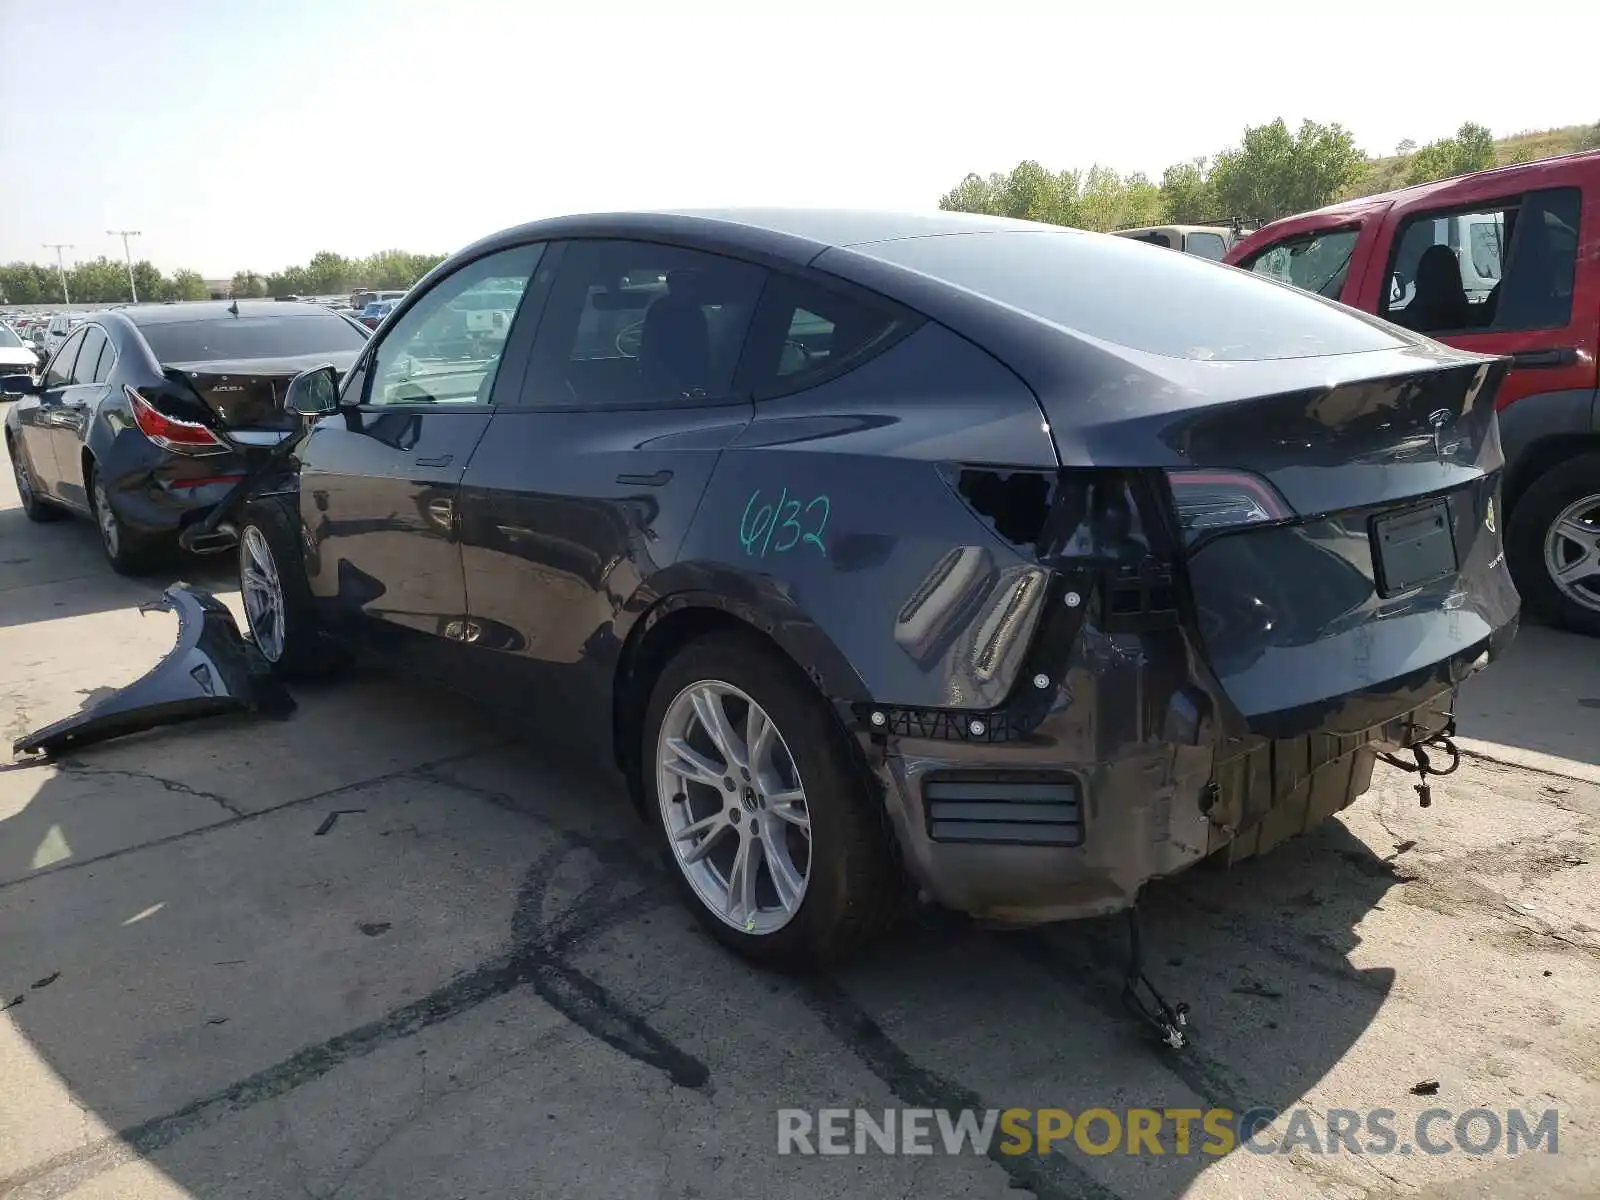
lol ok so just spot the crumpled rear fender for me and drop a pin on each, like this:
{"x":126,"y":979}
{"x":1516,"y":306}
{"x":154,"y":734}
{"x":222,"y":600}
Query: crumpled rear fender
{"x":210,"y":671}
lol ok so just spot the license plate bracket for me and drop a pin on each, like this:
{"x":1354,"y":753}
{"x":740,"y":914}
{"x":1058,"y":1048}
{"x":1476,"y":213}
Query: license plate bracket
{"x":1412,"y":548}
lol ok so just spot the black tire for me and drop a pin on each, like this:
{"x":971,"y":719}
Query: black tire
{"x":1530,"y":523}
{"x":303,"y":652}
{"x":853,"y":892}
{"x":127,"y":552}
{"x":34,"y":506}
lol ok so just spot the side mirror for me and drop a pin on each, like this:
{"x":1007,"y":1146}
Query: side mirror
{"x":313,"y":393}
{"x":18,"y":385}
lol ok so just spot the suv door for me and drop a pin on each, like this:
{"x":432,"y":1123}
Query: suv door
{"x":40,"y":422}
{"x":585,"y":486}
{"x":378,"y":482}
{"x":78,"y":402}
{"x":1517,"y":257}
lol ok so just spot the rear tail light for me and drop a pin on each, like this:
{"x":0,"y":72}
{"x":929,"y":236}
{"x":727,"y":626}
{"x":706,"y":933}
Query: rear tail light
{"x":182,"y":437}
{"x":1207,"y":501}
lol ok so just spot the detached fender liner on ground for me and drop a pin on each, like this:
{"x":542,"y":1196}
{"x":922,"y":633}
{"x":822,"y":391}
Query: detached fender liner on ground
{"x":210,"y":671}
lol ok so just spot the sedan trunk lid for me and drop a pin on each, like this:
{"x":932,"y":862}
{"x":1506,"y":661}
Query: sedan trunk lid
{"x":249,"y":393}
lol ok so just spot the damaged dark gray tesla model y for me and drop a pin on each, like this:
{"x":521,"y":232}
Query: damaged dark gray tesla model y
{"x":1019,"y":563}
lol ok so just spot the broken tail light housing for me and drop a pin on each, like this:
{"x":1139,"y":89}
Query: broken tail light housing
{"x":171,"y":433}
{"x":1208,"y":501}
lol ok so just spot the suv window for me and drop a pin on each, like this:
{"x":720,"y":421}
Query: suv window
{"x":1207,"y":245}
{"x":439,"y":351}
{"x":637,"y":324}
{"x":59,"y":373}
{"x":1174,"y":305}
{"x":1504,"y":266}
{"x":94,"y":343}
{"x":805,"y":333}
{"x":1317,"y":262}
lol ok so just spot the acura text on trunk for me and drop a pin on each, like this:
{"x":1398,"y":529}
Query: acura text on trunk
{"x":147,"y":415}
{"x":1021,"y":563}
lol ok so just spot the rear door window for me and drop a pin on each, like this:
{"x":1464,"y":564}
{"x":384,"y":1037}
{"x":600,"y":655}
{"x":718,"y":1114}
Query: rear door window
{"x":94,"y":342}
{"x":641,"y":325}
{"x":1495,"y":268}
{"x":1317,"y":262}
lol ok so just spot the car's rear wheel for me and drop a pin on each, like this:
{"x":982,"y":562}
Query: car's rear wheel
{"x":766,"y":818}
{"x":127,"y":553}
{"x":34,"y":506}
{"x":278,"y":607}
{"x":1553,"y":544}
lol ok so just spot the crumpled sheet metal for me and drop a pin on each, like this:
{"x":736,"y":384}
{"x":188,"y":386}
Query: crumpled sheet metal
{"x":210,"y":671}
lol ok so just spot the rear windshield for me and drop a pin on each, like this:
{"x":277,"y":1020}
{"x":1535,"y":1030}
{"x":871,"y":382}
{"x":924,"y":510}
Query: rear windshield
{"x":310,"y":331}
{"x":1115,"y":290}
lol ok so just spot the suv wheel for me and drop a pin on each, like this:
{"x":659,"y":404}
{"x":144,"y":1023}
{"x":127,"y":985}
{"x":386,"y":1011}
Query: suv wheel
{"x":767,"y":821}
{"x":278,"y":606}
{"x":1553,"y":544}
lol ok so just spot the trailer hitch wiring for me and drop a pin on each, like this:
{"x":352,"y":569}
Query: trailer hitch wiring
{"x":1443,"y":741}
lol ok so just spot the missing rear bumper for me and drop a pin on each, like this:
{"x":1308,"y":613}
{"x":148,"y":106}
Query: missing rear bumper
{"x":210,"y":671}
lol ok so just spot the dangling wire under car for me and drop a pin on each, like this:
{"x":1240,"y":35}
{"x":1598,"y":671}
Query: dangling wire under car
{"x":1424,"y":766}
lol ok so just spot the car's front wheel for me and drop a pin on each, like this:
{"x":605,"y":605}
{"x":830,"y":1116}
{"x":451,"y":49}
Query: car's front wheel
{"x":278,"y":607}
{"x":767,"y":821}
{"x":1553,"y":544}
{"x":34,"y":506}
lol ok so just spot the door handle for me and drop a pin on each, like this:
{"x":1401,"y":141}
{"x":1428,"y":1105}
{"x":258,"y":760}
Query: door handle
{"x":442,"y":460}
{"x":1553,"y":356}
{"x":659,"y":479}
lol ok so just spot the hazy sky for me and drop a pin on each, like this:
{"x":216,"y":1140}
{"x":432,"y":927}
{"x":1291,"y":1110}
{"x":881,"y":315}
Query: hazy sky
{"x":252,"y":133}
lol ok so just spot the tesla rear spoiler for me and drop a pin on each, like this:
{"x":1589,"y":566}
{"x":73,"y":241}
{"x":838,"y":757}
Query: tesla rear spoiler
{"x":210,"y":671}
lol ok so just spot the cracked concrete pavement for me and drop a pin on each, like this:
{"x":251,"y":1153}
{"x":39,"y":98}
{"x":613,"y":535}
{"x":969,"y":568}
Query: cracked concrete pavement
{"x":476,"y":982}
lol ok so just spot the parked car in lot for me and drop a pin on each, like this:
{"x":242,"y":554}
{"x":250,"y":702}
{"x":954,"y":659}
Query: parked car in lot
{"x":1208,"y":241}
{"x":1503,"y":262}
{"x":373,"y":314}
{"x":148,"y":414}
{"x":17,"y":355}
{"x":1021,"y":561}
{"x":59,"y":326}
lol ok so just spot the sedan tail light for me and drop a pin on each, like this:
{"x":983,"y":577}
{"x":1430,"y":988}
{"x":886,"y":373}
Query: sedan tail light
{"x":1208,"y":500}
{"x":170,"y":433}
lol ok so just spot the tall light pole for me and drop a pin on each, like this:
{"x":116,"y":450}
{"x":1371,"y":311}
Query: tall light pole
{"x":61,"y":269}
{"x":127,"y":254}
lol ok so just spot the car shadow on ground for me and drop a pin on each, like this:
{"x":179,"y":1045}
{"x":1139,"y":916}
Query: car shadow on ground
{"x":49,"y":572}
{"x":267,"y":983}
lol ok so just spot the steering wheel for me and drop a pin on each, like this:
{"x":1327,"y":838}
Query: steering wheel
{"x":633,"y":335}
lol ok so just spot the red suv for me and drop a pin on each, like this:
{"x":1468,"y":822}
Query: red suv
{"x":1502,"y":262}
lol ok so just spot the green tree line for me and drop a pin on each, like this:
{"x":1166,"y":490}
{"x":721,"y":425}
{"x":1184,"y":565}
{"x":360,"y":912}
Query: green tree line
{"x":329,"y":274}
{"x":105,"y":281}
{"x":99,"y":281}
{"x":1273,"y":172}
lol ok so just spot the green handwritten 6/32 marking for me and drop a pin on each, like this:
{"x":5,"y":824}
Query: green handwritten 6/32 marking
{"x":779,"y":527}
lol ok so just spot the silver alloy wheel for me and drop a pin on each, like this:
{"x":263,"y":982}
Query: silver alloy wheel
{"x":104,"y":517}
{"x":263,"y":593}
{"x":1572,"y":552}
{"x":734,"y":807}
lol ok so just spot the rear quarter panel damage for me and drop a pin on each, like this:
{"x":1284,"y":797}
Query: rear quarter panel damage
{"x":833,"y":505}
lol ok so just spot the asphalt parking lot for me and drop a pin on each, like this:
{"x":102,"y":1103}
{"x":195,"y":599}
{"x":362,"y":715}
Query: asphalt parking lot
{"x":475,"y":981}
